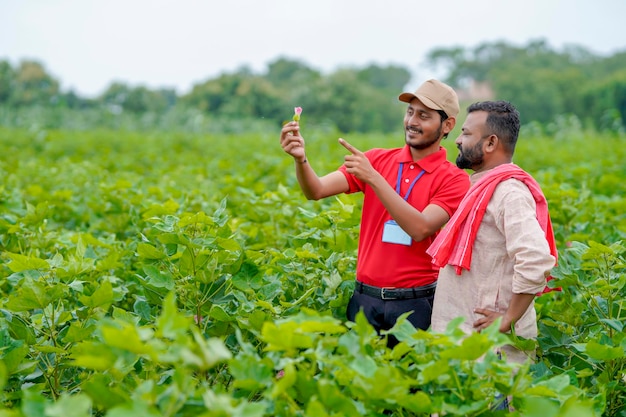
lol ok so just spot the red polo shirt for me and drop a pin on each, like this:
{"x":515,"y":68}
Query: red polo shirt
{"x":392,"y":265}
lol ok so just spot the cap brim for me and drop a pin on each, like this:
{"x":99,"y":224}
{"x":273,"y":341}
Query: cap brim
{"x":407,"y":97}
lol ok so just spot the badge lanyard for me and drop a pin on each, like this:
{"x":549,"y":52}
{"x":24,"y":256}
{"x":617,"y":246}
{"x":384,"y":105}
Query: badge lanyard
{"x":412,"y":183}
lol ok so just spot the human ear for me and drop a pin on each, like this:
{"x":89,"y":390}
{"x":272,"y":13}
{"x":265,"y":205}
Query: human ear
{"x":449,"y":124}
{"x":491,"y":143}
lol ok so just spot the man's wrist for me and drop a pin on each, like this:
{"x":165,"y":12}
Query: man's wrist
{"x":302,"y":161}
{"x":505,"y":325}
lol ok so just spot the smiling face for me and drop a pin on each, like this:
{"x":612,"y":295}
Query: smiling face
{"x":423,"y":126}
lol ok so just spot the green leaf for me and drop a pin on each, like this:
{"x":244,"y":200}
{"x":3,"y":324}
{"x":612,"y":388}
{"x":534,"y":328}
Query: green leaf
{"x":212,"y":351}
{"x":169,"y":207}
{"x":284,"y":337}
{"x":104,"y":392}
{"x":306,"y":254}
{"x":473,"y":347}
{"x":142,"y":309}
{"x":331,"y":396}
{"x":134,"y":408}
{"x":171,"y":323}
{"x":102,"y":296}
{"x":616,"y":325}
{"x":124,"y":316}
{"x":33,"y":404}
{"x":218,"y":313}
{"x":158,"y":278}
{"x":522,"y":343}
{"x":34,"y":295}
{"x":78,"y":333}
{"x":125,"y":336}
{"x":80,"y":248}
{"x":229,"y":244}
{"x":433,"y":370}
{"x":223,"y":405}
{"x":195,"y":219}
{"x":420,"y":402}
{"x":49,"y":349}
{"x":266,"y":306}
{"x":22,"y":330}
{"x":251,"y":372}
{"x":147,"y":251}
{"x":310,"y":321}
{"x":16,"y":361}
{"x":173,"y":239}
{"x":76,"y":405}
{"x":21,"y":263}
{"x":363,"y":329}
{"x":539,"y":407}
{"x":604,"y":352}
{"x":402,"y":329}
{"x":93,"y":355}
{"x":315,"y":409}
{"x":364,"y":365}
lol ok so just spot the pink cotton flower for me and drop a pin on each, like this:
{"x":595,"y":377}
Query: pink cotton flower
{"x":297,"y":112}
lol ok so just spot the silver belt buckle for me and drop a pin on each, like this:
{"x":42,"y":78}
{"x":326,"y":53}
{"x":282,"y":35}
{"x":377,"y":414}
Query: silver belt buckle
{"x":382,"y":293}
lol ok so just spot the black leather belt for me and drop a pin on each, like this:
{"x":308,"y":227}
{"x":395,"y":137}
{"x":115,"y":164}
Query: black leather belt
{"x":386,"y":293}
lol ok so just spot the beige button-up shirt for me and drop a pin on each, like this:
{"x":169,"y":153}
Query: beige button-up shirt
{"x":510,"y":255}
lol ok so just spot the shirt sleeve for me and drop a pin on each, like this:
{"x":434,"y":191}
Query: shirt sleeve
{"x":354,"y":185}
{"x":526,"y":243}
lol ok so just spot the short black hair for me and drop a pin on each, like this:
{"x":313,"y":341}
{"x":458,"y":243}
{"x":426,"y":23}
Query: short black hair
{"x":502,"y":121}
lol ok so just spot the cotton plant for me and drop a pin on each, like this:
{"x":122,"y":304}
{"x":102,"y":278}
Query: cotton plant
{"x":297,"y":111}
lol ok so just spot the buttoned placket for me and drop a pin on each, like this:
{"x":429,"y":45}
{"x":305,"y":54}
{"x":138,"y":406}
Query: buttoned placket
{"x":407,"y":179}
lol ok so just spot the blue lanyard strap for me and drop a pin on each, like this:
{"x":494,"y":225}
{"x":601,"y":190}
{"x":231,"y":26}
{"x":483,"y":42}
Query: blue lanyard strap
{"x":399,"y":181}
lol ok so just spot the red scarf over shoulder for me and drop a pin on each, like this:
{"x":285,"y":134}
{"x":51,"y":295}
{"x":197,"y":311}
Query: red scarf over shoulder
{"x":454,"y":243}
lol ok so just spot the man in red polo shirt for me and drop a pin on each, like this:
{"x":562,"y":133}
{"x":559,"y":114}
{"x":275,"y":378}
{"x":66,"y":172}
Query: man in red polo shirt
{"x":409,"y":194}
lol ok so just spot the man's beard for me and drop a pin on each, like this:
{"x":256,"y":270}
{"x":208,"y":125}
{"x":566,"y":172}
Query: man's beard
{"x":471,"y":158}
{"x":430,"y":141}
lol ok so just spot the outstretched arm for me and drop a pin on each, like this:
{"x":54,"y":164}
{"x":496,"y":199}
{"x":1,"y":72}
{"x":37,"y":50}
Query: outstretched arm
{"x":313,"y":186}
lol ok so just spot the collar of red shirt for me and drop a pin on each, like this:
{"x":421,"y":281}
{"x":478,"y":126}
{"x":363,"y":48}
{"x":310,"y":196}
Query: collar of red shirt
{"x":428,"y":164}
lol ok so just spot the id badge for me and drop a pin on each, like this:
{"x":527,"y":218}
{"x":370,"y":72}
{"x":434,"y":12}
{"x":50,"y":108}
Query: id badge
{"x":392,"y":233}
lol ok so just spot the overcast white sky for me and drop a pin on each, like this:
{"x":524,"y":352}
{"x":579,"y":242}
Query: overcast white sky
{"x":87,"y":44}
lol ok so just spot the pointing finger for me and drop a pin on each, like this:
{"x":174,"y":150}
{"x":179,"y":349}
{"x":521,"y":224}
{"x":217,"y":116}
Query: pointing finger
{"x":350,"y":148}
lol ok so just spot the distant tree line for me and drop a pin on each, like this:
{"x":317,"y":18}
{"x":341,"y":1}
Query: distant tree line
{"x":542,"y":82}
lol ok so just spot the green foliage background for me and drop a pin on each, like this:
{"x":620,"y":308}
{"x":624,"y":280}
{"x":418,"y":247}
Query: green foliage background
{"x":183,"y":274}
{"x":543,"y":82}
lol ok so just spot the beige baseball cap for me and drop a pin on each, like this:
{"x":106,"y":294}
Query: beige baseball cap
{"x":435,"y":95}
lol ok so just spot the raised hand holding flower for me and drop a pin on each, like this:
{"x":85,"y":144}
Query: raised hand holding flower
{"x":297,"y":111}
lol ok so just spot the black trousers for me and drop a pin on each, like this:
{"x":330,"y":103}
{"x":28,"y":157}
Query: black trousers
{"x":383,"y":314}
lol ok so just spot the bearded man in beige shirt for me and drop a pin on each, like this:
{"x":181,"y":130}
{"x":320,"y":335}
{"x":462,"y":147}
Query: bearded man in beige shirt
{"x":497,"y":251}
